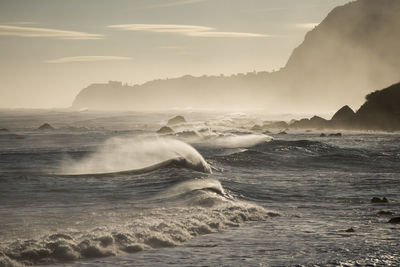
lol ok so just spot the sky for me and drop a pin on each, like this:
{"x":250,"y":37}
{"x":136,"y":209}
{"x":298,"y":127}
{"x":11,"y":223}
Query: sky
{"x":51,"y":49}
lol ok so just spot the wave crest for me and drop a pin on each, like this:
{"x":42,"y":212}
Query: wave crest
{"x":136,"y":155}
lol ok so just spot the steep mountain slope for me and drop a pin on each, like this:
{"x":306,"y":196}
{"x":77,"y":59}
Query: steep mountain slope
{"x":351,"y":52}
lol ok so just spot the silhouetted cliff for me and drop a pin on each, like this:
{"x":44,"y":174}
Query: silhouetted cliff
{"x":381,"y":111}
{"x":352,"y":51}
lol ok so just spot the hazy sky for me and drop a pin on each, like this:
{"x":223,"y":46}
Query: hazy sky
{"x":51,"y":49}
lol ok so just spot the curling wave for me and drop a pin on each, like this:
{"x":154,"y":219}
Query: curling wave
{"x":135,"y":156}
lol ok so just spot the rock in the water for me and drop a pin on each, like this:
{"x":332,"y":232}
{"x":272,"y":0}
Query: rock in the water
{"x":322,"y":135}
{"x":394,"y":220}
{"x":335,"y":135}
{"x":350,"y":230}
{"x":4,"y":130}
{"x":379,"y":200}
{"x":344,"y":114}
{"x":283,"y":132}
{"x":165,"y":130}
{"x":46,"y":126}
{"x":314,"y":123}
{"x":176,"y":120}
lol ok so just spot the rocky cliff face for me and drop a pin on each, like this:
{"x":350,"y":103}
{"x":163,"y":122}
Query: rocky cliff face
{"x":352,"y":52}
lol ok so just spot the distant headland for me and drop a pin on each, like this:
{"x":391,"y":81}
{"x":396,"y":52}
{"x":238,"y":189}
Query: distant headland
{"x":352,"y":52}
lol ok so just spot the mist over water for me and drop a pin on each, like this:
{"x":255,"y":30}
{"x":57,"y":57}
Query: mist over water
{"x":237,"y":141}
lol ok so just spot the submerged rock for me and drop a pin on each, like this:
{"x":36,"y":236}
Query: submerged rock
{"x":46,"y":126}
{"x":322,"y":135}
{"x":394,"y":220}
{"x":379,"y":200}
{"x":165,"y":130}
{"x":4,"y":130}
{"x":335,"y":135}
{"x":350,"y":230}
{"x":176,"y":120}
{"x":283,"y":132}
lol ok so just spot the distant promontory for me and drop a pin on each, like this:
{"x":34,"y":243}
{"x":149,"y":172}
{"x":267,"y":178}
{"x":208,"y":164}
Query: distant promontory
{"x":353,"y":51}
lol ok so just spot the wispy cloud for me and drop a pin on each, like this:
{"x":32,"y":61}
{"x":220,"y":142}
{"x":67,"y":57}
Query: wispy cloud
{"x":86,"y":59}
{"x":168,"y":28}
{"x":227,"y":34}
{"x":188,"y":30}
{"x":22,"y":23}
{"x":20,"y":31}
{"x":307,"y":26}
{"x":174,"y":3}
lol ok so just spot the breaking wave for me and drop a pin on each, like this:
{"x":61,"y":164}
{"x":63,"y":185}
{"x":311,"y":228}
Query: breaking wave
{"x":203,"y":208}
{"x":136,"y":155}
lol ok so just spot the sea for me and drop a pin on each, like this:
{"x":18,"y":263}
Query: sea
{"x":105,"y":189}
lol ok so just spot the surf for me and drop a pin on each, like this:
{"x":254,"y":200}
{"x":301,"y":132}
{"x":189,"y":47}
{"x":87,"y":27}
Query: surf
{"x":135,"y":156}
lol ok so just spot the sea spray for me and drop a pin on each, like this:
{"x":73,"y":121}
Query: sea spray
{"x":237,"y":141}
{"x":124,"y":154}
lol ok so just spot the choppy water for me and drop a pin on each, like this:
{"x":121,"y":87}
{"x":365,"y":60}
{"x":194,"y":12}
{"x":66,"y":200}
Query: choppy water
{"x":105,"y":190}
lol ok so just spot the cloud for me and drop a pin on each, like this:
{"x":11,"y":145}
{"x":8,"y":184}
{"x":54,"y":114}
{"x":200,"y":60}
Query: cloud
{"x":307,"y":26}
{"x":168,"y":28}
{"x":86,"y":59}
{"x":188,"y":30}
{"x":227,"y":34}
{"x":20,"y":31}
{"x":174,"y":3}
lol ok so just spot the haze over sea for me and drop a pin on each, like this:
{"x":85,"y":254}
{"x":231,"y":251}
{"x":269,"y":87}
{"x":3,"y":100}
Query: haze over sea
{"x":103,"y":189}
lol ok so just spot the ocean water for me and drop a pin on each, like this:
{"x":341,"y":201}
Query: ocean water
{"x":103,"y":189}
